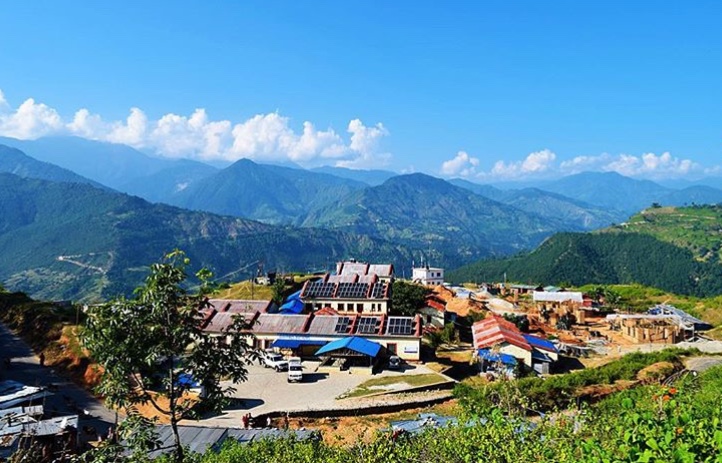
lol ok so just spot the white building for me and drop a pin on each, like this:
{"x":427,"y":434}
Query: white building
{"x":428,"y":276}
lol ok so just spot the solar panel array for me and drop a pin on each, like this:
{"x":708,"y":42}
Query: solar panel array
{"x":319,"y":289}
{"x":401,"y":326}
{"x":342,"y":324}
{"x":352,"y":290}
{"x":378,"y":290}
{"x":367,"y":325}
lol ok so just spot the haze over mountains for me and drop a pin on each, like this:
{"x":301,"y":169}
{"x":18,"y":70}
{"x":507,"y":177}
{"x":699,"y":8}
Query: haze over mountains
{"x":310,"y":217}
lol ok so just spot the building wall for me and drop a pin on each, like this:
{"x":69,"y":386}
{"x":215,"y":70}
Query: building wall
{"x":518,"y":352}
{"x":407,"y":348}
{"x":374,"y":306}
{"x":428,"y":276}
{"x":431,"y":316}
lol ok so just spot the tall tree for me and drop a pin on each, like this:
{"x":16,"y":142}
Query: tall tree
{"x":407,"y":298}
{"x":151,"y":345}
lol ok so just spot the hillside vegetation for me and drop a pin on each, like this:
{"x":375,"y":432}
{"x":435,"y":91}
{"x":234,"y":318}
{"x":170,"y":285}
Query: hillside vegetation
{"x":650,"y":423}
{"x":696,"y":228}
{"x":73,"y":241}
{"x":674,"y":249}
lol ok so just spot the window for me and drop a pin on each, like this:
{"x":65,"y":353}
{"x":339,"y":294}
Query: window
{"x":359,"y":308}
{"x":341,"y":307}
{"x":391,"y":347}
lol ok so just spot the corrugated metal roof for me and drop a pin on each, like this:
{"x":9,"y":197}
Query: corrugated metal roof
{"x":354,"y":343}
{"x":506,"y":359}
{"x":279,"y":323}
{"x":239,"y":305}
{"x":563,"y":296}
{"x":326,"y":324}
{"x":540,"y":343}
{"x":222,"y":320}
{"x":425,"y":421}
{"x":201,"y":439}
{"x":382,"y":270}
{"x":494,"y":330}
{"x":345,"y":278}
{"x":350,"y":268}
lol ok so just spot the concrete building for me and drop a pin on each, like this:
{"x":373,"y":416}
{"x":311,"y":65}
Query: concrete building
{"x":428,"y":276}
{"x":304,"y":334}
{"x":350,"y":292}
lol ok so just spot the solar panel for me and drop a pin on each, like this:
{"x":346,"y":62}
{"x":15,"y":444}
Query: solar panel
{"x":319,"y":289}
{"x":401,"y":326}
{"x":342,"y":324}
{"x":378,"y":290}
{"x":367,"y":325}
{"x":352,"y":290}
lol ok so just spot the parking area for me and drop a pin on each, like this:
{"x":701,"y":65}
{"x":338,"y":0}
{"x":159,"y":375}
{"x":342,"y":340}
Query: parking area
{"x":269,"y":391}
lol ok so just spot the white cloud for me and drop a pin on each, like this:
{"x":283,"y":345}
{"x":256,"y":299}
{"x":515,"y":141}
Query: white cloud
{"x":365,"y":141}
{"x":536,"y":163}
{"x":462,"y":165}
{"x":4,"y":106}
{"x":647,"y":165}
{"x":263,"y":137}
{"x":30,"y":120}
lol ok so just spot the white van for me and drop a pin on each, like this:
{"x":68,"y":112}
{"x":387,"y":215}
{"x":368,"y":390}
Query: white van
{"x":295,"y":370}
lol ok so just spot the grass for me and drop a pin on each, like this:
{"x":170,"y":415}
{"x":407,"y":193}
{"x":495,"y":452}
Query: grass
{"x":388,"y":383}
{"x":245,"y":290}
{"x":639,"y":298}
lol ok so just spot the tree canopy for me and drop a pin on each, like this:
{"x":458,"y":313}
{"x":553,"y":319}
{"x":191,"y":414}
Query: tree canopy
{"x":407,"y":298}
{"x":154,"y":345}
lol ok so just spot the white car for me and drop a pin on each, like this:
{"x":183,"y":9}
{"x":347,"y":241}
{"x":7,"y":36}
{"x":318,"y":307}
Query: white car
{"x":295,"y":370}
{"x":275,"y":361}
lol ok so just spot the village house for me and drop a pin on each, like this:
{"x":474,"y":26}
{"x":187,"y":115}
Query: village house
{"x":428,"y":276}
{"x":356,"y":288}
{"x":499,"y":342}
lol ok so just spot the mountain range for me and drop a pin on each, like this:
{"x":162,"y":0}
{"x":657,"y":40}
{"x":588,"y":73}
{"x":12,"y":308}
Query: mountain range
{"x":72,"y":240}
{"x":317,"y":215}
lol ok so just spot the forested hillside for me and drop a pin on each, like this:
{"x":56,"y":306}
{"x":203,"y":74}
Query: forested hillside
{"x":62,"y":240}
{"x":603,"y":258}
{"x":417,"y":210}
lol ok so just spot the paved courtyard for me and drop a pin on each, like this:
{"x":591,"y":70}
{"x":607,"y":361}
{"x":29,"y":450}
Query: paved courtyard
{"x":269,"y":391}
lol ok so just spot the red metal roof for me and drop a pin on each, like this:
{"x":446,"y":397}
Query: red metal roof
{"x":495,"y":330}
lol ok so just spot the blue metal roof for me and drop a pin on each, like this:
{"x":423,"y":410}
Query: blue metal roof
{"x":506,"y":359}
{"x":540,"y":343}
{"x":292,"y":306}
{"x":354,"y":343}
{"x":295,"y":343}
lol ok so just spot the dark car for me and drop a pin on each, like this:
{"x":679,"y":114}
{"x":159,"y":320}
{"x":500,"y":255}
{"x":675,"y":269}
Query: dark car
{"x":395,"y":362}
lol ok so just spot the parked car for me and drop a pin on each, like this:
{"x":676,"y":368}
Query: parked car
{"x":295,"y":370}
{"x":395,"y":362}
{"x":275,"y":361}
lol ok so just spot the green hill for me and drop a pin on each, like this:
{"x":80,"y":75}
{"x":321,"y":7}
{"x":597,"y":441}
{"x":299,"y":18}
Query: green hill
{"x":696,"y":228}
{"x":420,"y":211}
{"x":272,"y":194}
{"x":674,"y":249}
{"x":73,"y":241}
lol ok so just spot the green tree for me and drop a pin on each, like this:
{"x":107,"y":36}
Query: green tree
{"x":279,"y":286}
{"x":407,"y":298}
{"x":145,"y":345}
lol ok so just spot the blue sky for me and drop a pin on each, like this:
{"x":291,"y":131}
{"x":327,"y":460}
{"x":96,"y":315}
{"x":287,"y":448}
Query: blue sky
{"x":485,"y":90}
